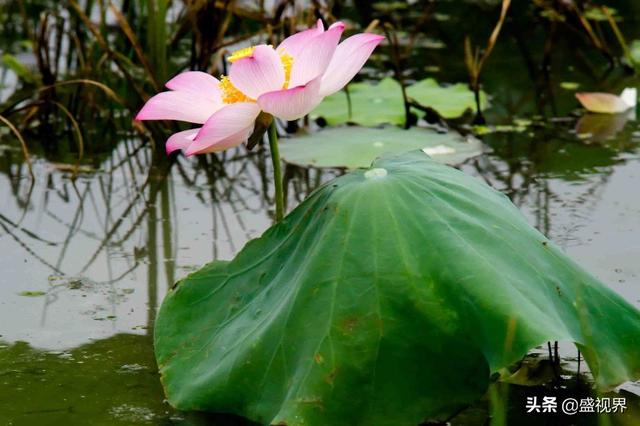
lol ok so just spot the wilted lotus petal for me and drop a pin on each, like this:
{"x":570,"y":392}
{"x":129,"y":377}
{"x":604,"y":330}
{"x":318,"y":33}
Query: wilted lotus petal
{"x":607,"y":103}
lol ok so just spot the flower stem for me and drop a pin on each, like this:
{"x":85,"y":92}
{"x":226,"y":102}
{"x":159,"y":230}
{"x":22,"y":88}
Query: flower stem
{"x":277,"y":171}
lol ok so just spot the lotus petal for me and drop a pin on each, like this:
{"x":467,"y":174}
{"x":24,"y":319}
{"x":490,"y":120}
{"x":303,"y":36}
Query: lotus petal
{"x":604,"y":103}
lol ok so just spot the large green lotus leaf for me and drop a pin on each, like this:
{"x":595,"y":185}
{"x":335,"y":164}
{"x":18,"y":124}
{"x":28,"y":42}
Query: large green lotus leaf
{"x":386,"y":298}
{"x":373,"y":104}
{"x":353,"y":147}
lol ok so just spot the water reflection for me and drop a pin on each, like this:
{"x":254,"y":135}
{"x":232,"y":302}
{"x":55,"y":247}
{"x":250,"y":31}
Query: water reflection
{"x":602,"y":127}
{"x":102,"y":247}
{"x":578,"y":193}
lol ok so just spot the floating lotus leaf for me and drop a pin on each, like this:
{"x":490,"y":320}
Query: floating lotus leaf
{"x":370,"y":104}
{"x":386,"y":298}
{"x":353,"y":147}
{"x":450,"y":101}
{"x":373,"y":104}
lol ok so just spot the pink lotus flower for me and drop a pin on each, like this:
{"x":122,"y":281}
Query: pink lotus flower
{"x":286,"y":82}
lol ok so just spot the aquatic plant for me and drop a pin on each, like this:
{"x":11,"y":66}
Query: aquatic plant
{"x":75,"y":73}
{"x":286,"y":82}
{"x":388,"y":297}
{"x":475,"y":60}
{"x":85,"y":67}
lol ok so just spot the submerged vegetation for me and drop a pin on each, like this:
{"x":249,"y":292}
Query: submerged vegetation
{"x":96,"y":208}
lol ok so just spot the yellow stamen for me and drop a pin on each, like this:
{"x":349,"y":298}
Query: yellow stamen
{"x":241,"y":53}
{"x":287,"y":63}
{"x":231,"y":95}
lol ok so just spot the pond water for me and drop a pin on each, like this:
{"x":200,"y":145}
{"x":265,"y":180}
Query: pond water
{"x":87,"y":262}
